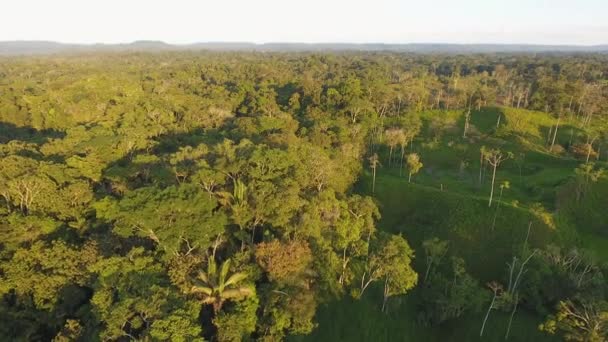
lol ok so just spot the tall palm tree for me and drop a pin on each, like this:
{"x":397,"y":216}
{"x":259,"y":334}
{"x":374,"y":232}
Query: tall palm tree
{"x":215,"y":287}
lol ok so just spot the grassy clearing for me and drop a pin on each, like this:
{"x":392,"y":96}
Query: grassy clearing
{"x":453,"y":163}
{"x":420,"y":212}
{"x":352,"y":320}
{"x":446,"y":200}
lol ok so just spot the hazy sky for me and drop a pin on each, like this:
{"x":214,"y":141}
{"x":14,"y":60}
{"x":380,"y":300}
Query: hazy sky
{"x":389,"y":21}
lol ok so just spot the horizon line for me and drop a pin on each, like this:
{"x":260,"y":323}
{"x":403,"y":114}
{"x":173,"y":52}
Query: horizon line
{"x":297,"y":43}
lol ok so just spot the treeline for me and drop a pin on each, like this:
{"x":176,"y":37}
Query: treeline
{"x":387,"y":84}
{"x":184,"y":196}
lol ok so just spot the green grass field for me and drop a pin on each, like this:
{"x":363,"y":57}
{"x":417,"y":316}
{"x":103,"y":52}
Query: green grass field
{"x":361,"y":320}
{"x":446,"y":200}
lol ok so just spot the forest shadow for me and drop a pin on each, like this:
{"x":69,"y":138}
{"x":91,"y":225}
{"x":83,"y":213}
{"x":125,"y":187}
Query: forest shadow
{"x":28,"y":134}
{"x":171,"y":142}
{"x":284,"y":93}
{"x":136,"y":170}
{"x":567,"y":134}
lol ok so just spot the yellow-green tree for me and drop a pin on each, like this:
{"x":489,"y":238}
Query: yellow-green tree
{"x":414,"y":165}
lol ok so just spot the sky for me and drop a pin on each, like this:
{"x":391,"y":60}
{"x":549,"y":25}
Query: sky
{"x":579,"y":22}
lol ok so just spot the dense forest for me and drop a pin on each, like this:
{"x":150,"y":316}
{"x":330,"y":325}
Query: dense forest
{"x":191,"y":196}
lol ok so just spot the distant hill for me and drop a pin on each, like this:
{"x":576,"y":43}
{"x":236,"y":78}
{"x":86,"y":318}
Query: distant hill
{"x":49,"y":47}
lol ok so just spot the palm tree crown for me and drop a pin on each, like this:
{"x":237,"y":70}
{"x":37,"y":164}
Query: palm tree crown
{"x":217,"y":287}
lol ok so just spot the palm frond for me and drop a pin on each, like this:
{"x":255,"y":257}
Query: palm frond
{"x":203,"y":277}
{"x":224,"y":198}
{"x":237,"y":293}
{"x":235,"y":278}
{"x":223,"y":274}
{"x":208,"y":300}
{"x":211,"y":268}
{"x":202,"y":289}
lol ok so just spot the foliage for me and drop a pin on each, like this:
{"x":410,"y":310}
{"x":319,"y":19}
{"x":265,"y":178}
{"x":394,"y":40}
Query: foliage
{"x":215,"y":286}
{"x":286,"y":263}
{"x":449,"y":292}
{"x":579,"y":321}
{"x":189,"y":196}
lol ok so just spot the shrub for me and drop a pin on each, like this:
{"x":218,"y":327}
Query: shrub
{"x":581,"y":151}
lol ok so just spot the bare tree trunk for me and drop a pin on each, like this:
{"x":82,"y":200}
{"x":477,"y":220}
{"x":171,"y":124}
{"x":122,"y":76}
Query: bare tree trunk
{"x":344,"y":264}
{"x":585,"y":271}
{"x":480,"y":167}
{"x":521,"y":270}
{"x":555,"y":132}
{"x":363,"y":281}
{"x":466,"y":122}
{"x":399,"y":106}
{"x":527,"y":237}
{"x":497,"y":208}
{"x":483,"y":326}
{"x":401,"y":160}
{"x":511,"y":319}
{"x":428,"y":270}
{"x":364,"y":284}
{"x":374,"y":180}
{"x":519,"y":100}
{"x":492,"y":189}
{"x":385,"y":299}
{"x":511,"y":269}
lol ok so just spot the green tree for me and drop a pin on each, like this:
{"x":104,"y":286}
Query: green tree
{"x":494,"y":157}
{"x":286,"y":263}
{"x":450,"y":293}
{"x":399,"y":277}
{"x":238,"y":322}
{"x":133,"y":299}
{"x":579,"y":321}
{"x":414,"y":165}
{"x":215,"y":286}
{"x":391,"y":261}
{"x":177,"y":218}
{"x":585,"y":176}
{"x":435,"y":250}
